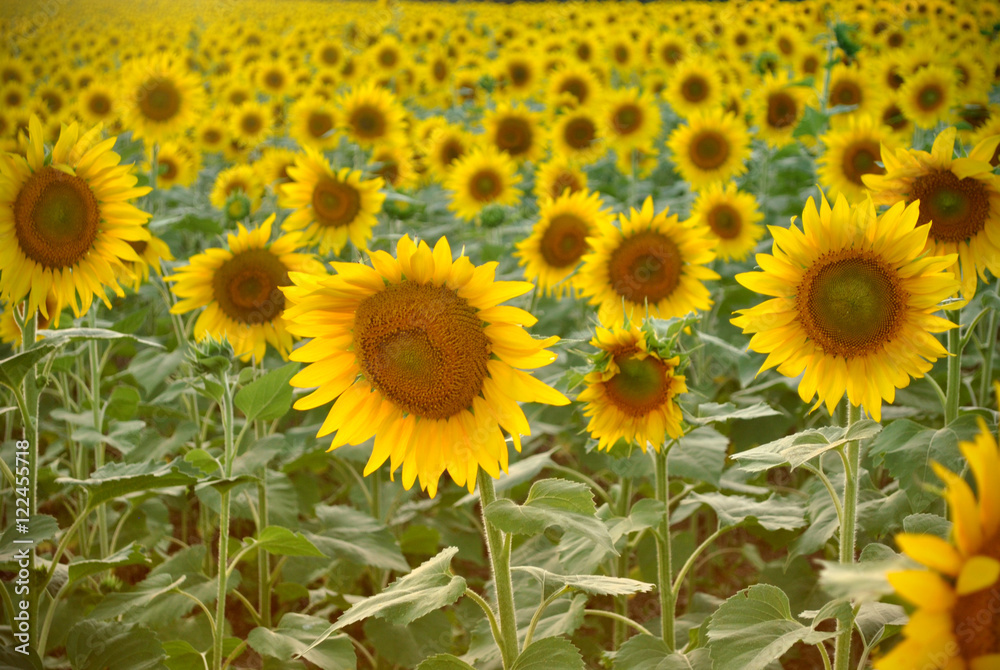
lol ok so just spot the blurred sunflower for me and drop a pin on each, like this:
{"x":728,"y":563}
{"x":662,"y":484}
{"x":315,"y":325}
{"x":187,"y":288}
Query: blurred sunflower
{"x":886,"y":109}
{"x":556,"y":175}
{"x":927,"y":96}
{"x":712,"y":147}
{"x":778,"y":107}
{"x":515,"y":130}
{"x":576,"y":135}
{"x":732,"y":216}
{"x":371,"y":115}
{"x":445,"y":146}
{"x":482,"y":177}
{"x":418,"y":352}
{"x":653,"y":264}
{"x":517,"y":73}
{"x":694,"y":86}
{"x":240,"y":289}
{"x":177,"y":162}
{"x":330,"y":207}
{"x":237,"y":192}
{"x":272,"y":167}
{"x":631,"y":119}
{"x":848,"y":87}
{"x":312,"y":122}
{"x":65,"y":221}
{"x":161,"y":99}
{"x":854,"y":297}
{"x":851,"y":153}
{"x":212,"y":133}
{"x":151,"y":255}
{"x":252,"y":123}
{"x":572,"y":85}
{"x":395,"y":166}
{"x":98,"y":104}
{"x":558,"y":240}
{"x":632,"y":393}
{"x":10,"y":332}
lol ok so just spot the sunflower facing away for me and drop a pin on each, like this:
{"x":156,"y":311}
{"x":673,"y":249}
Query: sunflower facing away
{"x":330,"y":207}
{"x":239,"y":288}
{"x":959,"y":198}
{"x":418,"y":352}
{"x":632,"y":393}
{"x":559,"y":239}
{"x":652,"y":264}
{"x":65,"y":221}
{"x":955,"y":625}
{"x":712,"y":147}
{"x":485,"y":176}
{"x":853,"y":302}
{"x":733,"y":217}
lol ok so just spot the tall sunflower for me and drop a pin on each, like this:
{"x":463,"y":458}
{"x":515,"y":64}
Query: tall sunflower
{"x":483,"y":177}
{"x":853,"y":302}
{"x":712,"y":147}
{"x":330,"y":207}
{"x":632,"y":393}
{"x":161,"y":99}
{"x":733,"y":218}
{"x":778,"y":107}
{"x":631,"y":119}
{"x":653,"y":264}
{"x":850,"y":154}
{"x":955,"y":625}
{"x":418,"y":352}
{"x":515,"y":130}
{"x":239,"y":287}
{"x":927,"y":96}
{"x":65,"y":221}
{"x":371,"y":115}
{"x":959,"y":199}
{"x":559,"y":239}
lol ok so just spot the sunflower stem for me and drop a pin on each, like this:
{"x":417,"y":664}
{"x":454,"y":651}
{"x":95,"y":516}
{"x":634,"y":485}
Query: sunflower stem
{"x":227,"y":464}
{"x":622,"y":567}
{"x":954,"y":389}
{"x":991,"y":344}
{"x":499,"y":551}
{"x":99,"y":451}
{"x":664,"y":557}
{"x":848,"y":533}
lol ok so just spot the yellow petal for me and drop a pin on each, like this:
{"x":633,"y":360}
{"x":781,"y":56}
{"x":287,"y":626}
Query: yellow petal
{"x":978,"y":573}
{"x":931,"y":551}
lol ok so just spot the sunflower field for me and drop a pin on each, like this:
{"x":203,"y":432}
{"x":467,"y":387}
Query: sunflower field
{"x":473,"y":336}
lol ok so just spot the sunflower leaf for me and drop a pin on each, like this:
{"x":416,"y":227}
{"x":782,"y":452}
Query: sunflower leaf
{"x":116,"y":480}
{"x":593,"y":584}
{"x":646,"y":652}
{"x":551,"y":653}
{"x":444,"y":662}
{"x":293,"y":635}
{"x":270,"y":396}
{"x":775,"y":513}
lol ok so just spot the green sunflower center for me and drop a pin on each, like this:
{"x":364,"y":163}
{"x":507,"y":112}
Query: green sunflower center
{"x":159,"y":100}
{"x":246,"y":286}
{"x":956,"y":209}
{"x":725,"y":221}
{"x":645,"y":266}
{"x":56,"y":218}
{"x":485,"y":185}
{"x":564,"y":241}
{"x":580,"y":133}
{"x":709,"y":150}
{"x":640,"y":386}
{"x":422,"y":347}
{"x":335,"y":203}
{"x":850,"y":303}
{"x":782,"y":110}
{"x":514,"y":136}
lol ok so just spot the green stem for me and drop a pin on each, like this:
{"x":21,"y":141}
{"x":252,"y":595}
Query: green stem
{"x":558,"y":593}
{"x":954,"y":389}
{"x":664,"y":556}
{"x":991,"y":344}
{"x":227,"y":464}
{"x":499,"y":551}
{"x":485,"y":606}
{"x":99,"y":452}
{"x":848,"y":532}
{"x":622,"y":567}
{"x":618,"y":617}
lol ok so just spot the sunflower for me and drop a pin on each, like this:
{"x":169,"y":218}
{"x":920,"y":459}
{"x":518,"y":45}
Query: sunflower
{"x":959,"y":198}
{"x":694,"y":86}
{"x":848,"y":87}
{"x":272,"y":168}
{"x":395,"y":166}
{"x":732,"y":216}
{"x":653,"y":264}
{"x":892,"y":118}
{"x":955,"y":625}
{"x":631,"y":119}
{"x":212,"y":133}
{"x":237,"y":192}
{"x":239,"y":287}
{"x":572,"y":85}
{"x":177,"y":162}
{"x":312,"y":122}
{"x":778,"y":107}
{"x":371,"y":116}
{"x":327,"y":53}
{"x":558,"y":175}
{"x":927,"y":96}
{"x":517,"y":73}
{"x":65,"y":221}
{"x":577,"y":135}
{"x":161,"y":100}
{"x":10,"y":332}
{"x":445,"y":146}
{"x":98,"y":104}
{"x":637,"y":162}
{"x":482,"y":177}
{"x":151,"y":255}
{"x":418,"y":353}
{"x":273,"y":78}
{"x":330,"y":207}
{"x":515,"y":130}
{"x":853,"y":304}
{"x":850,"y":154}
{"x":558,"y":240}
{"x":712,"y":147}
{"x":252,"y":123}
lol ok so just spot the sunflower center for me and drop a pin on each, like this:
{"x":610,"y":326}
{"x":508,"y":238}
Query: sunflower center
{"x":330,"y":55}
{"x":564,"y":241}
{"x":694,"y":89}
{"x":860,"y":159}
{"x":99,"y":104}
{"x":514,"y":136}
{"x":628,"y":119}
{"x":319,"y":124}
{"x":368,"y":122}
{"x":646,"y":266}
{"x":956,"y":208}
{"x":388,"y":57}
{"x":781,"y":110}
{"x":335,"y":203}
{"x":580,"y":133}
{"x":246,"y":286}
{"x":274,"y":79}
{"x":977,"y":612}
{"x":56,"y":218}
{"x":846,"y":93}
{"x":440,"y":70}
{"x":575,"y":87}
{"x":725,"y":221}
{"x":810,"y":64}
{"x":212,"y":136}
{"x":251,"y":123}
{"x":422,"y":347}
{"x":451,"y":151}
{"x":850,"y":303}
{"x":168,"y":168}
{"x":894,"y":117}
{"x":159,"y":100}
{"x":709,"y":150}
{"x":485,"y":185}
{"x":564,"y":181}
{"x":519,"y":74}
{"x":930,"y":98}
{"x":640,"y":386}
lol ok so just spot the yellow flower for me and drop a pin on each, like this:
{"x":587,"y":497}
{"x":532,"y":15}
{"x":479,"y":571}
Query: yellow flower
{"x":177,"y":162}
{"x":733,"y":218}
{"x":483,"y":177}
{"x":418,"y":352}
{"x":850,"y":154}
{"x":694,"y":86}
{"x":778,"y":108}
{"x":556,"y":175}
{"x":853,"y":302}
{"x":927,"y":96}
{"x":371,"y":115}
{"x":515,"y":130}
{"x":713,"y":147}
{"x":631,"y":119}
{"x":312,"y":122}
{"x":576,"y":135}
{"x":241,"y":185}
{"x":162,"y":100}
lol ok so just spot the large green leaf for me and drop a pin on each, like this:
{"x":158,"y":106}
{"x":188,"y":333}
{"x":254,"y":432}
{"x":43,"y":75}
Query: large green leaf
{"x":593,"y":584}
{"x":41,"y":527}
{"x":794,"y":450}
{"x":356,"y":537}
{"x":755,"y":627}
{"x":116,"y":604}
{"x":117,"y":480}
{"x":408,"y":645}
{"x":646,"y":652}
{"x":292,"y":638}
{"x":551,"y":653}
{"x":15,"y":368}
{"x":66,"y":335}
{"x":281,"y":541}
{"x":775,"y":513}
{"x":269,"y":397}
{"x":700,"y":456}
{"x":108,"y":645}
{"x":713,"y":412}
{"x":444,"y":662}
{"x":134,"y":554}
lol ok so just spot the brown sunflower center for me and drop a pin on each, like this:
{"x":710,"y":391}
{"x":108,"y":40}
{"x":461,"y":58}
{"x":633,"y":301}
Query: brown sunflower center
{"x":627,"y":119}
{"x":422,"y":347}
{"x":390,"y":168}
{"x":860,"y":159}
{"x":368,"y":122}
{"x":251,"y":123}
{"x":159,"y":100}
{"x":485,"y":185}
{"x":168,"y":168}
{"x":709,"y":150}
{"x":580,"y":133}
{"x":564,"y":241}
{"x":846,"y":93}
{"x":565,"y":180}
{"x":640,"y":386}
{"x":646,"y":266}
{"x":56,"y":218}
{"x":451,"y":151}
{"x":246,"y":286}
{"x":978,"y":612}
{"x":388,"y":57}
{"x":520,"y":74}
{"x":894,"y":117}
{"x":99,"y":104}
{"x":810,"y":64}
{"x":330,"y":55}
{"x":335,"y":203}
{"x":211,"y":136}
{"x":694,"y":89}
{"x":782,"y":109}
{"x":786,"y":46}
{"x":725,"y":221}
{"x":850,"y":302}
{"x":956,"y":208}
{"x":319,"y":124}
{"x":440,"y":70}
{"x":274,"y":79}
{"x":930,"y":97}
{"x":514,"y":136}
{"x":139,"y":246}
{"x":670,"y":54}
{"x":575,"y":87}
{"x":975,"y":115}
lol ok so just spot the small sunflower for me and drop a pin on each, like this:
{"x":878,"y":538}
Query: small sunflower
{"x":272,"y":168}
{"x":577,"y":135}
{"x":151,"y":255}
{"x":850,"y":154}
{"x":312,"y":123}
{"x":518,"y":74}
{"x":652,"y":264}
{"x":694,"y":86}
{"x":240,"y":289}
{"x":418,"y":352}
{"x":849,"y":86}
{"x":482,"y":177}
{"x":712,"y":147}
{"x":892,"y":118}
{"x":556,"y":175}
{"x":733,"y":217}
{"x":573,"y":85}
{"x":515,"y":130}
{"x":854,"y":297}
{"x":330,"y":207}
{"x":778,"y":107}
{"x":212,"y":133}
{"x":959,"y":199}
{"x":632,"y":393}
{"x":252,"y":123}
{"x":558,"y":241}
{"x":161,"y":99}
{"x":444,"y":148}
{"x":177,"y":164}
{"x":927,"y":96}
{"x":395,"y":166}
{"x":631,"y":119}
{"x":371,"y":115}
{"x":237,"y":192}
{"x":98,"y":103}
{"x":65,"y":221}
